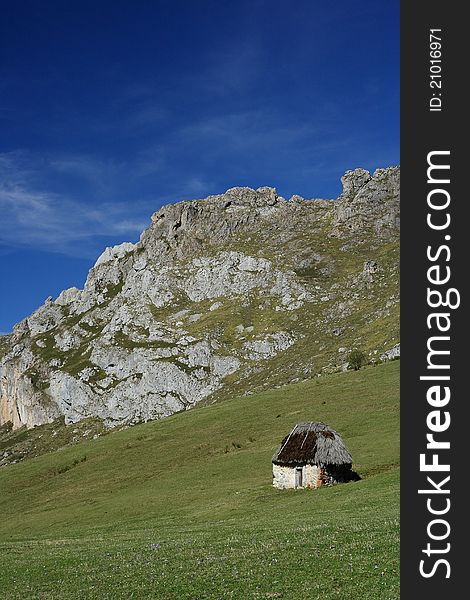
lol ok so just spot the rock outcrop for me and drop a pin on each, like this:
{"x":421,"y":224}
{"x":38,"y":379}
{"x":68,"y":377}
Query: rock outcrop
{"x":223,"y":295}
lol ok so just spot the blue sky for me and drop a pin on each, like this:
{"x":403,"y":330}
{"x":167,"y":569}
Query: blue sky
{"x":108,"y":110}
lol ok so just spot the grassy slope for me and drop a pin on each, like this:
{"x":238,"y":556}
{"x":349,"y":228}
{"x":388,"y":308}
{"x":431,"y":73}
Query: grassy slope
{"x":184,"y":507}
{"x":20,"y":444}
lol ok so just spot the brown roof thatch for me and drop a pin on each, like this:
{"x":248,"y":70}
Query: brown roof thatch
{"x":312,"y":443}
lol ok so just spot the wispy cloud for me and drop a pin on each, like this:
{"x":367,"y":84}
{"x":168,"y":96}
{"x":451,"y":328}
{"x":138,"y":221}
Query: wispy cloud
{"x":254,"y":129}
{"x":33,"y":217}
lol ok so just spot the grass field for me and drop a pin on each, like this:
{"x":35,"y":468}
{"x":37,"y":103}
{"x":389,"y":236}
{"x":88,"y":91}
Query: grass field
{"x":184,"y":508}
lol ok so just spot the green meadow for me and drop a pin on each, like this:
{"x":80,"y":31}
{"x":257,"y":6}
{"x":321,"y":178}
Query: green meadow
{"x":184,"y":508}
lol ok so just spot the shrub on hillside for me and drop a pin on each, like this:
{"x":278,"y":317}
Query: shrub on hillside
{"x":356,"y":359}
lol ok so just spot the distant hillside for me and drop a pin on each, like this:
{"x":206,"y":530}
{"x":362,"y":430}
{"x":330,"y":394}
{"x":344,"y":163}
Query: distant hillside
{"x":223,"y":296}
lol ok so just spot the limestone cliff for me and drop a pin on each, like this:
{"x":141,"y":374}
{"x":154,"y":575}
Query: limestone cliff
{"x":220,"y":296}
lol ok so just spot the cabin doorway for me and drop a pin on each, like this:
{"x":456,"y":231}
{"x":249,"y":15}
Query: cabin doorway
{"x":298,"y":477}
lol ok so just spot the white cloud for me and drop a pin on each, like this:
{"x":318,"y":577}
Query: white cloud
{"x":251,"y":130}
{"x":36,"y":218}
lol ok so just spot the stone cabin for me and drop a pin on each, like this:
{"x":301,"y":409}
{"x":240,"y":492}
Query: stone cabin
{"x":312,"y":455}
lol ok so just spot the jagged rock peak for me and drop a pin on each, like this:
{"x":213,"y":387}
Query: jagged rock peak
{"x":114,"y":252}
{"x":246,"y":196}
{"x":236,"y":196}
{"x":354,"y":181}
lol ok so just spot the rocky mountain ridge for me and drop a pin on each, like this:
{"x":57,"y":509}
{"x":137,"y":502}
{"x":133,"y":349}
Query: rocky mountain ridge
{"x":220,"y":296}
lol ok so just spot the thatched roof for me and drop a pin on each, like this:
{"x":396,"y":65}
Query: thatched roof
{"x":312,"y":443}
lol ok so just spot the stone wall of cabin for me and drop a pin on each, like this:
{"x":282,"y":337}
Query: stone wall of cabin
{"x":310,"y":476}
{"x":284,"y":477}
